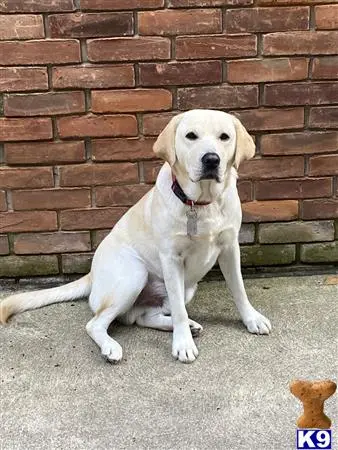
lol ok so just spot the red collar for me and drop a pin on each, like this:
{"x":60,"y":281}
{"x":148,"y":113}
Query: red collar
{"x":178,"y":191}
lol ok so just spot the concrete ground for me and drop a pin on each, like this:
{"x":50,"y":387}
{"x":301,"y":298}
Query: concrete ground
{"x":57,"y":392}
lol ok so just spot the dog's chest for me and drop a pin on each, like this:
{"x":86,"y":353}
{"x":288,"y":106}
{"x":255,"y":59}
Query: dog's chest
{"x":199,"y":255}
{"x":201,"y":250}
{"x":198,"y":228}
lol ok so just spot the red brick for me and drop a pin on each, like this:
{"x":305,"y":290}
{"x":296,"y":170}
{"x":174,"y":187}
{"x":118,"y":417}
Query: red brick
{"x":26,"y":178}
{"x":320,"y":209}
{"x":124,"y":49}
{"x":245,"y":191}
{"x":98,"y":237}
{"x":45,"y":153}
{"x":93,"y":76}
{"x":263,"y":20}
{"x":180,"y":73}
{"x":271,"y":119}
{"x":16,"y":79}
{"x":270,"y":211}
{"x":299,"y":231}
{"x":120,"y":195}
{"x":98,"y":174}
{"x":266,"y":168}
{"x":289,"y":2}
{"x":51,"y":199}
{"x":217,"y":97}
{"x":97,"y":126}
{"x":300,"y":43}
{"x":39,"y":52}
{"x":300,"y":93}
{"x":324,"y":117}
{"x":326,"y":17}
{"x":82,"y":25}
{"x":325,"y":67}
{"x":299,"y":143}
{"x":323,"y":165}
{"x":48,"y":103}
{"x":207,"y":47}
{"x":25,"y":129}
{"x":4,"y":247}
{"x":122,"y":149}
{"x":90,"y":219}
{"x":131,"y":100}
{"x":120,"y":4}
{"x":28,"y":266}
{"x":76,"y":263}
{"x":171,"y":22}
{"x":153,"y":124}
{"x":12,"y":6}
{"x":321,"y":253}
{"x":25,"y":244}
{"x":260,"y":70}
{"x":28,"y":221}
{"x":151,"y":170}
{"x":293,"y":189}
{"x":3,"y":203}
{"x":21,"y":26}
{"x":267,"y":255}
{"x":202,"y":3}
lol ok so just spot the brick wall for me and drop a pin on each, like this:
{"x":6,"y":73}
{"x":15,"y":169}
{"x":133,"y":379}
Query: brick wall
{"x":87,"y":85}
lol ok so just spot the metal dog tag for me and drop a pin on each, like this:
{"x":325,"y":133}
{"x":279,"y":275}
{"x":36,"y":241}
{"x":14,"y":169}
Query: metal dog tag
{"x":191,"y":221}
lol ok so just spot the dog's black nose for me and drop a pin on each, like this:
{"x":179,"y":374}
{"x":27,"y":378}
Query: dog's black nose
{"x":210,"y":160}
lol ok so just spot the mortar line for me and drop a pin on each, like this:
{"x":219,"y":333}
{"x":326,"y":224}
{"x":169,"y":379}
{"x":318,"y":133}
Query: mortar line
{"x":312,"y":20}
{"x":141,"y":172}
{"x":9,"y":200}
{"x":45,"y":26}
{"x":2,"y":154}
{"x":56,"y":176}
{"x":83,"y":49}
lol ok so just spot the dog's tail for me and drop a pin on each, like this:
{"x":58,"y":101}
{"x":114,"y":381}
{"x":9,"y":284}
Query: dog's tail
{"x":35,"y":299}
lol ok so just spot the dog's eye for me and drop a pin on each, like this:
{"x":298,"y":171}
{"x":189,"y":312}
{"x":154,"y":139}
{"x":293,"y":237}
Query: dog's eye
{"x":191,"y":136}
{"x":224,"y":137}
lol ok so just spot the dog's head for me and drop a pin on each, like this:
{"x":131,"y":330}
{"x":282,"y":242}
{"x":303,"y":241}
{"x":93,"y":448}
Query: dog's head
{"x":204,"y":144}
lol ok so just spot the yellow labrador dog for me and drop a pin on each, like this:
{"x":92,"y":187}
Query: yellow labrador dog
{"x":147,"y":269}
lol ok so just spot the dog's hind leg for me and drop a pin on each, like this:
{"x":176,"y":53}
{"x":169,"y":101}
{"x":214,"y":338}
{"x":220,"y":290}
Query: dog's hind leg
{"x":155,"y":318}
{"x":113,"y":294}
{"x":97,"y":330}
{"x":159,"y":317}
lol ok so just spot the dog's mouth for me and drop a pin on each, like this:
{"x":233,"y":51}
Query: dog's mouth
{"x":205,"y":177}
{"x":210,"y":175}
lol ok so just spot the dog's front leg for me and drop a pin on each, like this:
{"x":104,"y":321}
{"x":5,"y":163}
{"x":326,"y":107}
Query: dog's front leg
{"x":230,"y":264}
{"x":184,"y":347}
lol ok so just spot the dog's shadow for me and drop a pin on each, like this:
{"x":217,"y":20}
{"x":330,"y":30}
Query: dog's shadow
{"x":207,"y":320}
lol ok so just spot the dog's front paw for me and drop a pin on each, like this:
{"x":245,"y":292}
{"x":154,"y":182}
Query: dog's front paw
{"x":184,"y":348}
{"x":256,"y":323}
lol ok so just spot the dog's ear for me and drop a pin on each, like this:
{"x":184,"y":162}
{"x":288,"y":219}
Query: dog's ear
{"x":164,"y":146}
{"x":245,"y":146}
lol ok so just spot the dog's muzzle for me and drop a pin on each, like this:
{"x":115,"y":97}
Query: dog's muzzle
{"x":210,"y":166}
